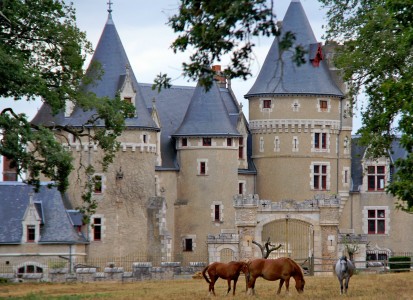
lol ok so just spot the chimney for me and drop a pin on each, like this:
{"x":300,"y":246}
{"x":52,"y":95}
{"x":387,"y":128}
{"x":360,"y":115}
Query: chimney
{"x":9,"y":170}
{"x":219,"y":78}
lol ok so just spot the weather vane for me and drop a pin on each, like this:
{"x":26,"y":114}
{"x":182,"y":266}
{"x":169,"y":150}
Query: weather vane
{"x":110,"y":6}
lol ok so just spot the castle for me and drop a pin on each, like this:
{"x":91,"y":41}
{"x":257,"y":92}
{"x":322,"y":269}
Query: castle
{"x":195,"y":180}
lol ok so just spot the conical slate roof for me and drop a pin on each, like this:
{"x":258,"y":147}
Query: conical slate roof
{"x":283,"y":77}
{"x":207,"y":115}
{"x":114,"y":62}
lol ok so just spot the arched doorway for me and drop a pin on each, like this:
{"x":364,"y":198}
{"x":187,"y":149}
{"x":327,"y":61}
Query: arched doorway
{"x":226,"y":255}
{"x":295,"y":236}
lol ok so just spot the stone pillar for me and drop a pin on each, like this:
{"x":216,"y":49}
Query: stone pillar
{"x":329,"y":221}
{"x":246,"y":220}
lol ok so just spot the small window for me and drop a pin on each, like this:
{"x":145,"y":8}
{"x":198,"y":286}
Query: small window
{"x":184,"y":142}
{"x":206,"y":142}
{"x":217,"y":213}
{"x":145,"y":138}
{"x":202,"y":168}
{"x":320,"y":140}
{"x":240,"y":188}
{"x":229,"y":142}
{"x":97,"y":229}
{"x":127,"y":99}
{"x":97,"y":184}
{"x":241,"y":148}
{"x":323,"y":105}
{"x":31,"y":233}
{"x":188,"y":245}
{"x":266,"y":104}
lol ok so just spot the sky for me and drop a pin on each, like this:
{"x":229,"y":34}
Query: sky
{"x":141,"y":25}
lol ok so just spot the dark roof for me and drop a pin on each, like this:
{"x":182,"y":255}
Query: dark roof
{"x":14,"y":200}
{"x":114,"y":62}
{"x":207,"y":115}
{"x":284,"y":77}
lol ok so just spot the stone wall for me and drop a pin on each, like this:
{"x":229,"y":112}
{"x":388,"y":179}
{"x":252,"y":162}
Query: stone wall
{"x":140,"y":271}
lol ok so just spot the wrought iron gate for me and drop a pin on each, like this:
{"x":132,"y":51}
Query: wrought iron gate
{"x":295,"y":236}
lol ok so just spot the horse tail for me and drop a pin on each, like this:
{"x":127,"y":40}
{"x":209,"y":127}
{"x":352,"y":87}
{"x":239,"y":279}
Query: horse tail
{"x":204,"y":274}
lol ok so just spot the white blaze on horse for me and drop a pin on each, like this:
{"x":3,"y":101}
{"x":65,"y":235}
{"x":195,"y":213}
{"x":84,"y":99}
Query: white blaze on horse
{"x":344,"y":270}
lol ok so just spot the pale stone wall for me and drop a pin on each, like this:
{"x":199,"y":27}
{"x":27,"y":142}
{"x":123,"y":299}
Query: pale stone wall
{"x":198,"y":194}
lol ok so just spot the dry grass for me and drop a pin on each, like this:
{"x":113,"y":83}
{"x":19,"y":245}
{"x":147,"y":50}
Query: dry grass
{"x":384,"y":286}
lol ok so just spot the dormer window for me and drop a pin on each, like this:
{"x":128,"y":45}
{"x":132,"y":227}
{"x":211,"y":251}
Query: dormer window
{"x":127,"y":99}
{"x":31,"y":233}
{"x":376,"y":178}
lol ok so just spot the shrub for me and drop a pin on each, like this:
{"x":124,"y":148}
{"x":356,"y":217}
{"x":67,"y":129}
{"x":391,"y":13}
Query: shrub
{"x":399,"y":263}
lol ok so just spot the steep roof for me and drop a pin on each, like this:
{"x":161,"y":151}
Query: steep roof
{"x":207,"y":115}
{"x":284,"y":77}
{"x":56,"y":224}
{"x":113,"y":60}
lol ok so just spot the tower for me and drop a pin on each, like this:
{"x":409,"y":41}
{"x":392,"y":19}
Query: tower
{"x":300,"y":146}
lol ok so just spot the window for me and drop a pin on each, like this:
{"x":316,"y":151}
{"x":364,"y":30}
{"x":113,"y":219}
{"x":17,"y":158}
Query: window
{"x":375,"y":178}
{"x":376,"y":221}
{"x":145,"y":138}
{"x":320,"y":140}
{"x":261,"y":144}
{"x":97,"y":180}
{"x":229,"y":142}
{"x":295,"y":144}
{"x":266,"y":103}
{"x":206,"y":142}
{"x":188,"y":245}
{"x":241,"y":148}
{"x":202,"y":168}
{"x":184,"y":142}
{"x":323,"y":105}
{"x":320,"y":177}
{"x":240,"y":188}
{"x":127,"y":99}
{"x":29,"y":269}
{"x":217,"y":213}
{"x":31,"y":233}
{"x":97,"y":229}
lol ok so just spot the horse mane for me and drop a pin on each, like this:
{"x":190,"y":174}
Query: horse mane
{"x":297,"y":266}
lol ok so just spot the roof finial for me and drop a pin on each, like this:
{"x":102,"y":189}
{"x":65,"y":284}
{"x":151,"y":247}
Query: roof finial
{"x":110,"y":6}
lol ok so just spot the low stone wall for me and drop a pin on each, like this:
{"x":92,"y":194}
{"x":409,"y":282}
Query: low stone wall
{"x":140,"y":271}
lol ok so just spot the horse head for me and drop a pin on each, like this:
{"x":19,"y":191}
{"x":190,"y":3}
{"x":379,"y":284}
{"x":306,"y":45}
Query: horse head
{"x":343,"y":264}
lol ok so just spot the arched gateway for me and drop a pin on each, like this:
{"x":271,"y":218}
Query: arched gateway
{"x":296,"y":238}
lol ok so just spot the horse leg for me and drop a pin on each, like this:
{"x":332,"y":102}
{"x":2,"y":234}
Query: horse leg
{"x":229,"y":286}
{"x":212,"y":285}
{"x":251,"y":286}
{"x":235,"y":285}
{"x":346,"y":286}
{"x":280,"y":286}
{"x":287,"y":285}
{"x":341,"y":286}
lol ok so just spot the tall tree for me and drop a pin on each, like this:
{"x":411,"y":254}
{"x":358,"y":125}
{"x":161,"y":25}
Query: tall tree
{"x":42,"y":53}
{"x":376,"y":58}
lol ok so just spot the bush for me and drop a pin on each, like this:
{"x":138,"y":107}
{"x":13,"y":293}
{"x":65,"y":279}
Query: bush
{"x":3,"y":280}
{"x":399,"y":263}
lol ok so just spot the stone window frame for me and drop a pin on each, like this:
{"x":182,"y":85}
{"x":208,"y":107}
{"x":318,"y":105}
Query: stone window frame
{"x":102,"y":228}
{"x":320,"y":148}
{"x":102,"y":181}
{"x":186,"y":237}
{"x":266,"y":109}
{"x":261,"y":143}
{"x":220,"y":213}
{"x":277,"y":144}
{"x":295,"y":143}
{"x":201,"y":161}
{"x":366,"y":219}
{"x":328,"y":175}
{"x":328,"y":103}
{"x":242,"y":184}
{"x":295,"y":105}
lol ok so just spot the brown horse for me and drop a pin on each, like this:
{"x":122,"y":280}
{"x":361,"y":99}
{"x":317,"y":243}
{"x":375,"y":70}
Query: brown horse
{"x":273,"y":269}
{"x":229,"y":271}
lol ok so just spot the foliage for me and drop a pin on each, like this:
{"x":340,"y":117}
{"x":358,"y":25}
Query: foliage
{"x":376,"y":58}
{"x":42,"y":53}
{"x":215,"y":28}
{"x":399,"y":262}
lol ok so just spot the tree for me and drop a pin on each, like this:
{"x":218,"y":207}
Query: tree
{"x":42,"y":53}
{"x":215,"y":28}
{"x":376,"y":57}
{"x":266,"y":250}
